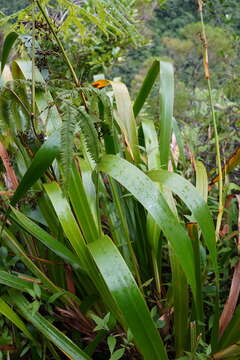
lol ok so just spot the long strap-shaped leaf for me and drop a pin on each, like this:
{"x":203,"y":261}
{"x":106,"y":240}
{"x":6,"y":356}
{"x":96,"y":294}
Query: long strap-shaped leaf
{"x":188,"y":193}
{"x":126,"y":119}
{"x":12,"y":243}
{"x":42,"y":160}
{"x":56,"y":246}
{"x":166,"y":108}
{"x":14,"y":318}
{"x":128,"y":297}
{"x":146,"y":87}
{"x":67,"y":220}
{"x":71,"y":350}
{"x":166,"y":103}
{"x":148,"y":194}
{"x":75,"y":237}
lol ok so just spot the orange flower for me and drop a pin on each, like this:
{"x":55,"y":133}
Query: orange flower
{"x":101,"y":84}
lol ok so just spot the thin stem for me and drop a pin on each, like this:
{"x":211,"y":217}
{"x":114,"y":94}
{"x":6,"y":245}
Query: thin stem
{"x":67,"y":61}
{"x":33,"y":114}
{"x":156,"y":273}
{"x":74,"y":75}
{"x":219,"y":165}
{"x":20,"y":101}
{"x":218,"y":154}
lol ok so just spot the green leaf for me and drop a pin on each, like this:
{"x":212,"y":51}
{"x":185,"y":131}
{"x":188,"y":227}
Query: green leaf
{"x":76,"y":239}
{"x":190,"y":196}
{"x":128,"y":298}
{"x":67,"y":220}
{"x":148,"y":194}
{"x":111,"y":341}
{"x":81,"y":202}
{"x":7,"y":46}
{"x":55,"y":296}
{"x":53,"y":244}
{"x":41,"y":162}
{"x":146,"y":87}
{"x":49,"y":331}
{"x":34,"y":307}
{"x":10,"y":240}
{"x":14,"y":282}
{"x":102,"y":324}
{"x":14,"y":318}
{"x":166,"y":108}
{"x":117,"y":354}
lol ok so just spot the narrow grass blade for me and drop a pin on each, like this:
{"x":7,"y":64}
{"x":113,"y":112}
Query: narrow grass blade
{"x":53,"y":244}
{"x":41,"y":162}
{"x":146,"y":87}
{"x":14,"y":318}
{"x":153,"y":162}
{"x":81,"y":206}
{"x":147,"y":193}
{"x":128,"y":297}
{"x":12,"y":243}
{"x":14,"y":281}
{"x":166,"y":109}
{"x":7,"y":46}
{"x":198,"y":308}
{"x":49,"y":331}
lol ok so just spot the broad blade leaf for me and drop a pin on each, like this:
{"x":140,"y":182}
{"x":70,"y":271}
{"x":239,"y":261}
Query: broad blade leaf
{"x":128,"y":297}
{"x":148,"y":194}
{"x":188,"y":193}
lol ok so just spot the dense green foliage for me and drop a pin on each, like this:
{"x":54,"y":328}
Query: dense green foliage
{"x":116,"y":241}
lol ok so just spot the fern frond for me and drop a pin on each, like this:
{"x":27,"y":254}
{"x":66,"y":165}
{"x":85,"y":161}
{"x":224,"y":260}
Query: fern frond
{"x":69,"y":119}
{"x":86,"y":123}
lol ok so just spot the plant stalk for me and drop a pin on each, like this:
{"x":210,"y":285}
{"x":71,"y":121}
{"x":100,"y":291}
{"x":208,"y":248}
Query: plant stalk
{"x":218,"y":154}
{"x":33,"y":94}
{"x":74,"y":75}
